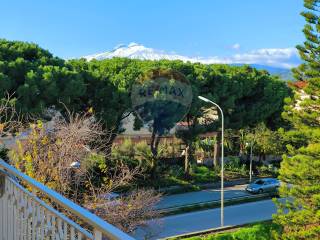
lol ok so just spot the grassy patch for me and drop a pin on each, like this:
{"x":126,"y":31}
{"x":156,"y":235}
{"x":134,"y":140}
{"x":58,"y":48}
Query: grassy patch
{"x":260,"y":231}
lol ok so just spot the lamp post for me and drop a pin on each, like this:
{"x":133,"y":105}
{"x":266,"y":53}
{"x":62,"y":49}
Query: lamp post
{"x":251,"y":146}
{"x":250,"y":170}
{"x":222,"y":157}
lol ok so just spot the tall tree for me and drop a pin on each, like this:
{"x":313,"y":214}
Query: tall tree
{"x":36,"y":79}
{"x":300,"y":215}
{"x":246,"y":95}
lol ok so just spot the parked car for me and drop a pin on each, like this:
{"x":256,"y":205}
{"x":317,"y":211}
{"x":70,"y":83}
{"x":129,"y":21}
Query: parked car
{"x":264,"y":185}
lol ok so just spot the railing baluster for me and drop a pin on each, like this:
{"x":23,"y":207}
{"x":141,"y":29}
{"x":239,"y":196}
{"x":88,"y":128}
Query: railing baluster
{"x":33,"y":228}
{"x":1,"y":210}
{"x":72,"y":233}
{"x":9,"y":221}
{"x":53,"y":227}
{"x":5,"y":210}
{"x":97,"y":235}
{"x":80,"y":236}
{"x":9,"y":216}
{"x":25,"y":216}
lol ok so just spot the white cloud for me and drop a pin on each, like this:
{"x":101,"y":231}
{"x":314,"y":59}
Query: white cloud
{"x":275,"y":57}
{"x":279,"y":57}
{"x":235,"y":46}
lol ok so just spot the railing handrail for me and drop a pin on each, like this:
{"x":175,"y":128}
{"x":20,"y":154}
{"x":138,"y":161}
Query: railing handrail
{"x":49,"y":208}
{"x":106,"y":229}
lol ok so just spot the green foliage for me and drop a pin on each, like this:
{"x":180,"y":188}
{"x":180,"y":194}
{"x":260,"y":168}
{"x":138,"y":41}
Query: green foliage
{"x":36,"y":79}
{"x":156,"y":89}
{"x":176,"y":171}
{"x":234,"y":164}
{"x":144,"y":156}
{"x":266,"y":141}
{"x":125,"y":152}
{"x":207,"y":143}
{"x":302,"y":171}
{"x":261,"y":139}
{"x":203,"y":174}
{"x":134,"y":155}
{"x":261,"y":231}
{"x":301,"y":166}
{"x":248,"y":96}
{"x":268,"y":170}
{"x":108,"y":85}
{"x":95,"y":164}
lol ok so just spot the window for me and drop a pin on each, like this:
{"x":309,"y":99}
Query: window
{"x":260,"y":182}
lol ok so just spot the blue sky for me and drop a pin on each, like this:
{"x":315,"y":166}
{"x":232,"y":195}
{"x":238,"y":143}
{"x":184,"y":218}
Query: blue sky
{"x":188,"y":27}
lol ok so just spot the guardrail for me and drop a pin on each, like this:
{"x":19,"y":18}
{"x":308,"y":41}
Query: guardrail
{"x":24,"y":216}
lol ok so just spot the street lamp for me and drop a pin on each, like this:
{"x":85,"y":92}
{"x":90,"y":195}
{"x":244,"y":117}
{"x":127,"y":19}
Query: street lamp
{"x":250,"y":170}
{"x":222,"y":157}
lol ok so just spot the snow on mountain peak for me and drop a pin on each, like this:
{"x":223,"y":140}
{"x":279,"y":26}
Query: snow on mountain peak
{"x":277,"y":57}
{"x":138,"y":51}
{"x":133,"y":50}
{"x":133,"y":44}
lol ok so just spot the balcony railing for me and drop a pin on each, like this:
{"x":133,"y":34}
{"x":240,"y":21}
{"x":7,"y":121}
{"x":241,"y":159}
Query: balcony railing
{"x":25,"y":216}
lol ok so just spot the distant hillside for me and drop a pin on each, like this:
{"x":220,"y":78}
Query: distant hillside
{"x":284,"y":73}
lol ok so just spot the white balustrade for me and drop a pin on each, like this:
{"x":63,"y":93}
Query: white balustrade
{"x":23,"y":216}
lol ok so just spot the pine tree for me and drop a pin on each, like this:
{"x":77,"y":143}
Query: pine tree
{"x":300,"y":169}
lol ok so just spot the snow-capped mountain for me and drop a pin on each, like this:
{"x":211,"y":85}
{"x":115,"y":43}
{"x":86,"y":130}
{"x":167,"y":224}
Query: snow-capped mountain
{"x":275,"y":58}
{"x":138,"y":51}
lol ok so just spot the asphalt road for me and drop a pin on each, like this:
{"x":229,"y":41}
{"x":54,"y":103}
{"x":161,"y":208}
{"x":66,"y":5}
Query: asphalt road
{"x":207,"y":195}
{"x":202,"y":220}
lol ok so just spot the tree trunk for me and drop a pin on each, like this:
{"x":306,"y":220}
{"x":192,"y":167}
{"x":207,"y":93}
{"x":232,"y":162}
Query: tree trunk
{"x":155,"y":140}
{"x":187,"y":161}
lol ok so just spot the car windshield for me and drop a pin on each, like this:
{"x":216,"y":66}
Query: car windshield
{"x":260,"y":182}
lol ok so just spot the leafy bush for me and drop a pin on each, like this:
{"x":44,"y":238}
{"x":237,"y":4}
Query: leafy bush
{"x":143,"y":156}
{"x":134,"y":155}
{"x":234,"y":164}
{"x":95,"y":165}
{"x":202,"y":174}
{"x":168,"y":149}
{"x":207,"y":143}
{"x":268,"y":170}
{"x":125,"y":152}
